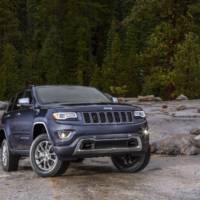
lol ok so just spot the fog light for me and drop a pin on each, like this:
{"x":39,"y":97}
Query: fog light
{"x":63,"y":135}
{"x":146,"y":132}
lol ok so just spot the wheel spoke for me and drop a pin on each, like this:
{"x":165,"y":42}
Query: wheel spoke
{"x":4,"y":155}
{"x":52,"y":154}
{"x":45,"y":156}
{"x":41,"y":147}
{"x":39,"y":162}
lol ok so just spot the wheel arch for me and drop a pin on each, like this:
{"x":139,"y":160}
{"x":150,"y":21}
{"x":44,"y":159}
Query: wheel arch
{"x":40,"y":128}
{"x":2,"y":135}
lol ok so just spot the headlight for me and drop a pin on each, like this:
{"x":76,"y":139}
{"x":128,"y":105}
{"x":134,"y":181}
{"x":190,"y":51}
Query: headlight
{"x":64,"y":115}
{"x":139,"y":114}
{"x":146,"y":132}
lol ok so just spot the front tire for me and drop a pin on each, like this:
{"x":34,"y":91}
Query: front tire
{"x":131,"y":162}
{"x":9,"y":161}
{"x":44,"y":160}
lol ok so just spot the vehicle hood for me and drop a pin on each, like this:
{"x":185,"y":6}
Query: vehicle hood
{"x":92,"y":107}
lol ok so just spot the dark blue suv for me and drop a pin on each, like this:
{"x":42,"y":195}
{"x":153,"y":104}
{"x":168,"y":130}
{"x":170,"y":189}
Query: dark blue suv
{"x":58,"y":124}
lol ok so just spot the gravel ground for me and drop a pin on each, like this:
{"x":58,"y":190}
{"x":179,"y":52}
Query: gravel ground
{"x":165,"y":178}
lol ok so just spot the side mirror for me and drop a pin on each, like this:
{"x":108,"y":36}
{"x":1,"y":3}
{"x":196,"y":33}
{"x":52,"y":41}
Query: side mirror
{"x":24,"y":102}
{"x":115,"y":100}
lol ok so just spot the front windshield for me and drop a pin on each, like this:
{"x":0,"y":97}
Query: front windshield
{"x":69,"y":95}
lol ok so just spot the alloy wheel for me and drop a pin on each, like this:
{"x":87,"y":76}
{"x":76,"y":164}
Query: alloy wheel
{"x":4,"y":154}
{"x":45,"y":157}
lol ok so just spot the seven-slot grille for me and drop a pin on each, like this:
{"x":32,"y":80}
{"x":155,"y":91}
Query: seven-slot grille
{"x":108,"y":117}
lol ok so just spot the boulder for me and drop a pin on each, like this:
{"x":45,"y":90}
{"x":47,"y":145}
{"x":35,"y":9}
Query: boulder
{"x":181,"y":107}
{"x":182,"y":98}
{"x":149,"y":98}
{"x":121,"y":100}
{"x":157,"y":99}
{"x":146,"y":98}
{"x":164,"y":106}
{"x":195,"y":141}
{"x":195,"y":131}
{"x":178,"y":144}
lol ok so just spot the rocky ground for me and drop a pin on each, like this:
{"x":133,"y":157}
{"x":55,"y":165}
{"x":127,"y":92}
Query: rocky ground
{"x":174,"y":125}
{"x":165,"y":178}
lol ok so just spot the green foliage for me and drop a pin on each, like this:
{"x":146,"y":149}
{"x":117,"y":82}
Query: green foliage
{"x":119,"y":91}
{"x":9,"y":76}
{"x":174,"y":20}
{"x":123,"y":47}
{"x":112,"y":66}
{"x":187,"y":66}
{"x":160,"y":83}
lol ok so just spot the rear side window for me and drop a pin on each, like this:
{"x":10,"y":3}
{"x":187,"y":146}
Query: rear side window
{"x":20,"y":95}
{"x":28,"y":94}
{"x":10,"y":105}
{"x":13,"y":103}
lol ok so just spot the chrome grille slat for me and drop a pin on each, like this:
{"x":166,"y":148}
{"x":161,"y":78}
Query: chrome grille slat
{"x":108,"y":117}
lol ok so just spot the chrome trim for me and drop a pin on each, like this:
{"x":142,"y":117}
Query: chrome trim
{"x":106,"y":116}
{"x":69,"y":137}
{"x":24,"y":101}
{"x":72,"y":133}
{"x":79,"y":151}
{"x":45,"y":126}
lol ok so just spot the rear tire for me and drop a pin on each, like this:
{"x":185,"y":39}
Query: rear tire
{"x":9,"y":161}
{"x":44,"y":160}
{"x":131,"y":163}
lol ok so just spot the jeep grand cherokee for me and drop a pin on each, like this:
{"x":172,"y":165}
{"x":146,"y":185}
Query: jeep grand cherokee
{"x":58,"y":124}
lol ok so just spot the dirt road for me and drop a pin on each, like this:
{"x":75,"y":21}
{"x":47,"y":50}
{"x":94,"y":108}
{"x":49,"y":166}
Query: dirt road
{"x":165,"y":178}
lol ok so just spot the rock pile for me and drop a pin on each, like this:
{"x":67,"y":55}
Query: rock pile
{"x":178,"y":144}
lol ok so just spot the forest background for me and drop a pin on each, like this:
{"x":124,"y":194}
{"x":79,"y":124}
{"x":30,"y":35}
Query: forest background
{"x":123,"y":47}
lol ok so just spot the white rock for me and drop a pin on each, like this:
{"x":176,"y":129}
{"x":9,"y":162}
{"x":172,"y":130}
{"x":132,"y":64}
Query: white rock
{"x":182,"y":97}
{"x":181,"y":107}
{"x":149,"y":98}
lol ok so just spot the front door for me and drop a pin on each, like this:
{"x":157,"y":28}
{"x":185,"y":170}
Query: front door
{"x":21,"y":123}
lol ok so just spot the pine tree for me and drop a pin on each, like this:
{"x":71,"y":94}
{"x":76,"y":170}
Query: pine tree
{"x":174,"y":21}
{"x":9,"y":75}
{"x":112,"y":71}
{"x":187,"y":66}
{"x":9,"y":42}
{"x":51,"y":59}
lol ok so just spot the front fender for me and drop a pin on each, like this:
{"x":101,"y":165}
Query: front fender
{"x":42,"y":121}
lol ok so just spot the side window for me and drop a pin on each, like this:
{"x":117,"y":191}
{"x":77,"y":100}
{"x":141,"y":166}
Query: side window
{"x":20,"y":95}
{"x":28,"y":94}
{"x":10,"y":105}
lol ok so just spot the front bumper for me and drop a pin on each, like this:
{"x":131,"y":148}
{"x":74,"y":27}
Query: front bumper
{"x":110,"y":145}
{"x":107,"y":140}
